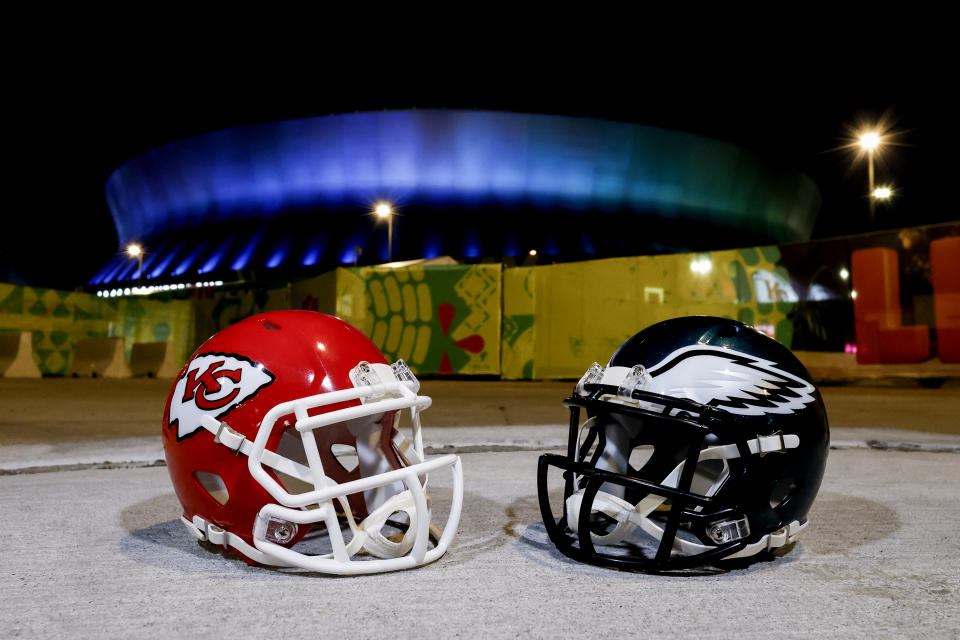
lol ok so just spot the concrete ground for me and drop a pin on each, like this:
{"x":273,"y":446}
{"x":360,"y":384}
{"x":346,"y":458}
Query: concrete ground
{"x":76,"y":409}
{"x":93,"y":546}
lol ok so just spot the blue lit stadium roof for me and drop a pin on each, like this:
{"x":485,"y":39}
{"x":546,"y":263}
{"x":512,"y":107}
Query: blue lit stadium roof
{"x":294,"y":196}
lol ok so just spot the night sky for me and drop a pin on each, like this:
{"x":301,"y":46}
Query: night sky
{"x":75,"y":125}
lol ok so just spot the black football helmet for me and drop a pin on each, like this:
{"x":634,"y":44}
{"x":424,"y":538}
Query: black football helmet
{"x":704,"y":440}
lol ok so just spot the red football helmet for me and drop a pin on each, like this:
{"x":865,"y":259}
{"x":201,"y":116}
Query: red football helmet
{"x":288,"y":422}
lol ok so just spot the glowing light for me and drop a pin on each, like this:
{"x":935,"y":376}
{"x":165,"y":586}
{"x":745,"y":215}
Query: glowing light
{"x":241,"y":261}
{"x":313,"y":254}
{"x":533,"y":252}
{"x":701,"y":266}
{"x":853,"y":294}
{"x":768,"y":329}
{"x":99,"y":294}
{"x":134,"y":250}
{"x":869,"y":140}
{"x":472,"y":247}
{"x":160,"y":268}
{"x":126,"y":291}
{"x":215,"y":259}
{"x":383,"y":210}
{"x":882,"y":193}
{"x":844,"y":274}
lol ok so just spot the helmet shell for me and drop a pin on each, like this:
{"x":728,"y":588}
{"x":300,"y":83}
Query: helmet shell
{"x":297,"y":354}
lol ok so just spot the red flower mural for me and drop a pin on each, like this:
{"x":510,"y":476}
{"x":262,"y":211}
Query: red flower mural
{"x":472,"y":343}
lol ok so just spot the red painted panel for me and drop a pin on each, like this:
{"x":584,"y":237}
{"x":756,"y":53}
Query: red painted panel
{"x":876,"y":309}
{"x":945,"y":268}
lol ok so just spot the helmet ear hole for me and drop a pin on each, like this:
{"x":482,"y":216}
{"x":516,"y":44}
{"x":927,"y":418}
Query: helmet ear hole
{"x":346,"y":456}
{"x":781,"y":491}
{"x":641,"y":455}
{"x":213,"y":485}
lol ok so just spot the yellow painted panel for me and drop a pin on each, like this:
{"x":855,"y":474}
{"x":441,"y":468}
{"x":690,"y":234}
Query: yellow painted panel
{"x":379,"y":336}
{"x":379,"y":298}
{"x":518,"y":327}
{"x":393,"y":292}
{"x":424,"y":303}
{"x":422,"y":344}
{"x":393,"y":334}
{"x":406,"y":342}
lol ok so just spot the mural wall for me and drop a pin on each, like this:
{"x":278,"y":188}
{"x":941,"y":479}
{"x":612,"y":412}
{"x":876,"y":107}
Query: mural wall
{"x":57,"y":319}
{"x":552,"y":321}
{"x":439,"y":318}
{"x":560,"y":318}
{"x":219,"y":309}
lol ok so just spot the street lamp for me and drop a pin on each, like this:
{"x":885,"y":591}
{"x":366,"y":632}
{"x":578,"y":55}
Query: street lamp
{"x":385,"y":211}
{"x":136,"y":251}
{"x":869,"y":142}
{"x":882,"y":193}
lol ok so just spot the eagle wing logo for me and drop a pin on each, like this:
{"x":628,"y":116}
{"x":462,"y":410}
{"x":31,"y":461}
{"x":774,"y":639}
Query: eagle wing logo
{"x":214,"y":384}
{"x":735,"y":381}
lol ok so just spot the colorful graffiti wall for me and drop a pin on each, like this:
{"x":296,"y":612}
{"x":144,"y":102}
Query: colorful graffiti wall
{"x":220,"y":309}
{"x":552,"y":321}
{"x":57,"y":319}
{"x":439,"y":318}
{"x":557,"y":319}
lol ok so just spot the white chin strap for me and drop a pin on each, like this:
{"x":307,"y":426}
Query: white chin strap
{"x":368,"y":537}
{"x":629,"y":517}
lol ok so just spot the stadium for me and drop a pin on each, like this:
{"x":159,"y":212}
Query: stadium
{"x":288,"y":199}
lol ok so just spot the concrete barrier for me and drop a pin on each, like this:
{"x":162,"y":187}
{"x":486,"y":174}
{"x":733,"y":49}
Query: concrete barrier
{"x":99,"y":358}
{"x":16,"y":356}
{"x":153,"y":359}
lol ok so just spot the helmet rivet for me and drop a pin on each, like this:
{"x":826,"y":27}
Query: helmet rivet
{"x":717,"y":534}
{"x":283,"y":533}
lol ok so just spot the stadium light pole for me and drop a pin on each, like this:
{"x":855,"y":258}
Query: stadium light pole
{"x":136,"y":251}
{"x":385,"y":211}
{"x":869,"y":142}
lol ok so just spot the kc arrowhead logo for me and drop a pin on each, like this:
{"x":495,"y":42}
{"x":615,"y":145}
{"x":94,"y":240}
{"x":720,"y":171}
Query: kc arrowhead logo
{"x":214,"y":384}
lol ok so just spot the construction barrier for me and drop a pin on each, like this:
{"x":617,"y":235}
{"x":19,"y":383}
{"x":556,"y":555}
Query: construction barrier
{"x":154,"y":359}
{"x":945,"y":272}
{"x":58,"y":319}
{"x":552,"y":321}
{"x":558,"y":319}
{"x":881,"y":335}
{"x":99,"y":358}
{"x":16,"y":356}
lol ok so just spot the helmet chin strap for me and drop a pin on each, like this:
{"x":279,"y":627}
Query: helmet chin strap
{"x":368,"y":534}
{"x":610,"y":505}
{"x":628,"y":516}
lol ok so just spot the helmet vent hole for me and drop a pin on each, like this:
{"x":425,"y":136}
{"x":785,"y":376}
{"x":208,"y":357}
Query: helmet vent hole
{"x":213,"y":485}
{"x":781,"y":492}
{"x":640,"y":456}
{"x":709,"y":477}
{"x":346,"y":456}
{"x":272,"y":326}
